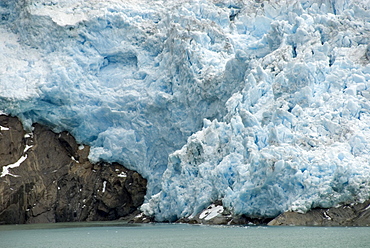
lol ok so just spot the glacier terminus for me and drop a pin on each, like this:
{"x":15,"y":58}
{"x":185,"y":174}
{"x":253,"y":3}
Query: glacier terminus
{"x":262,"y":105}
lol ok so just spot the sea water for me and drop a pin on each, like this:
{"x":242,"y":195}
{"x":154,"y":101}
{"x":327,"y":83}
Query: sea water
{"x":178,"y":235}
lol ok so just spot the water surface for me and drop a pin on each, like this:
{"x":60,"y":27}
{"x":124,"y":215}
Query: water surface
{"x":113,"y":234}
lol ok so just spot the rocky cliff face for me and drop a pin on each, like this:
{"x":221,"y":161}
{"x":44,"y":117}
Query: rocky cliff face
{"x":46,"y":177}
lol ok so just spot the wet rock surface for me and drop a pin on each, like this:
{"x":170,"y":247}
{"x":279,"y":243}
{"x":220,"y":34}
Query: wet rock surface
{"x":46,"y":177}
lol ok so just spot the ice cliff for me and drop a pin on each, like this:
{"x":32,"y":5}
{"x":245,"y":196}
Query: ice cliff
{"x":261,"y":104}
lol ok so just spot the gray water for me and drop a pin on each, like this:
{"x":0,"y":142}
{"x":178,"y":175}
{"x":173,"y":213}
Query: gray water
{"x":113,"y":234}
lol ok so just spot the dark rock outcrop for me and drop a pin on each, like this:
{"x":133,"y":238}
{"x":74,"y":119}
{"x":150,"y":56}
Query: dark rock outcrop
{"x":346,"y":215}
{"x":55,"y":182}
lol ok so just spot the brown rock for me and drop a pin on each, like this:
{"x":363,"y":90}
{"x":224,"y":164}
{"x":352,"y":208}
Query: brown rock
{"x":346,"y":215}
{"x":11,"y":149}
{"x":57,"y":183}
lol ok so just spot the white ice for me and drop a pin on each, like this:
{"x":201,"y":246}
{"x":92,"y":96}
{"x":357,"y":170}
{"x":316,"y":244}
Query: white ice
{"x":263,"y":105}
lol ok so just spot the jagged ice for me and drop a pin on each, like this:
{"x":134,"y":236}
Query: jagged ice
{"x":263,"y":105}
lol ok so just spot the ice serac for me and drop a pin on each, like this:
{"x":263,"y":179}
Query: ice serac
{"x":295,"y":137}
{"x":260,"y":104}
{"x":129,"y":78}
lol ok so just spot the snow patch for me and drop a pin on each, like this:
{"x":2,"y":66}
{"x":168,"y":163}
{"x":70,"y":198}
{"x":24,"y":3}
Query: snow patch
{"x":211,"y":212}
{"x":10,"y":166}
{"x":4,"y":128}
{"x":73,"y":159}
{"x":104,"y":186}
{"x":122,"y":174}
{"x":27,"y":148}
{"x":326,"y":215}
{"x":28,"y":135}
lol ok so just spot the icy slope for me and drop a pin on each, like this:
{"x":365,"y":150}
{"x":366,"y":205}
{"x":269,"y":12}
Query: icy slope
{"x":281,"y":89}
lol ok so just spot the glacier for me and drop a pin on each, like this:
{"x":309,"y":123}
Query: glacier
{"x":263,"y":105}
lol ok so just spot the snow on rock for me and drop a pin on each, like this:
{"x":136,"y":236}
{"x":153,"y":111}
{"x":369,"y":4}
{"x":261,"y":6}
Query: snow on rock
{"x":10,"y":166}
{"x":104,"y":186}
{"x":211,"y":212}
{"x":260,"y":104}
{"x":122,"y":174}
{"x":4,"y":128}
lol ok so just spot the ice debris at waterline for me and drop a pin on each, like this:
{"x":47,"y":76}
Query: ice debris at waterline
{"x":261,"y":104}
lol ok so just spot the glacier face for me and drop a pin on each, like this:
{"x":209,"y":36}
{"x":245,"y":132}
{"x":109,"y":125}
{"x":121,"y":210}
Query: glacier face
{"x":121,"y":76}
{"x":261,"y":104}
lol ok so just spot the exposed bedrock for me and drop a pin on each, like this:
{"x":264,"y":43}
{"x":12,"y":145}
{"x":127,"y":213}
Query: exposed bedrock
{"x":345,"y":215}
{"x":46,"y":177}
{"x":355,"y":214}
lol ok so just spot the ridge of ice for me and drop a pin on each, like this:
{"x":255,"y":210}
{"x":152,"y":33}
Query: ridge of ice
{"x":262,"y":105}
